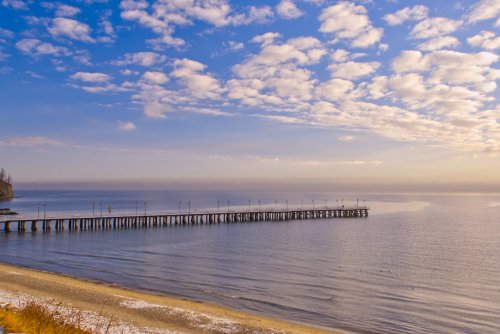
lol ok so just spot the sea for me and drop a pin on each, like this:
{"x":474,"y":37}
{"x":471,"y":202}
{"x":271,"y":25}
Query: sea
{"x":419,"y":263}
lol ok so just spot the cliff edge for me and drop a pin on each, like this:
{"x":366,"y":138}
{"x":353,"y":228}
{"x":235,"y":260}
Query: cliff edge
{"x":6,"y":190}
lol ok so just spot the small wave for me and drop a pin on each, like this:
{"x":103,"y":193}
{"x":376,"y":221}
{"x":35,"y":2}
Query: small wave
{"x":275,"y":305}
{"x":139,"y":304}
{"x":219,"y":294}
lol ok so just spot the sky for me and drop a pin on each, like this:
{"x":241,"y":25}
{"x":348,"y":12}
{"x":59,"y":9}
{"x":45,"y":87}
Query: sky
{"x":384,"y":91}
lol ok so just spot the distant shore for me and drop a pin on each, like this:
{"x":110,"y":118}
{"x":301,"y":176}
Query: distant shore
{"x":133,"y":311}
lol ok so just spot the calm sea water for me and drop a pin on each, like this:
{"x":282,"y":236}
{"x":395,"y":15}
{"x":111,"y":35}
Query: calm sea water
{"x":418,"y":264}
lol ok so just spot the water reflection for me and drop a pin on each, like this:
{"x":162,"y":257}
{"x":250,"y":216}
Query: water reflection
{"x":425,"y":264}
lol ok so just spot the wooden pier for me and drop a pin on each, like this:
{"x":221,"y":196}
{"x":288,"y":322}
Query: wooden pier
{"x":157,"y":220}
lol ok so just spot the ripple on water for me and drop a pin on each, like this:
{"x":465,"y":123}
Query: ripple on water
{"x":418,"y":264}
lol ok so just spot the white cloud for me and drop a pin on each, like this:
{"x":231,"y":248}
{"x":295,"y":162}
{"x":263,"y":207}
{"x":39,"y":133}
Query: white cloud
{"x":5,"y":33}
{"x":91,"y":77}
{"x":348,"y":21}
{"x":445,"y":64}
{"x":35,"y":141}
{"x":486,"y":39}
{"x":126,"y":126}
{"x":415,"y":13}
{"x":353,"y":70}
{"x":207,"y":111}
{"x":163,"y":16}
{"x":267,"y":38}
{"x":438,"y":43}
{"x":401,"y":124}
{"x":301,"y":50}
{"x":485,"y":10}
{"x":156,"y":22}
{"x":214,"y":11}
{"x":188,"y":65}
{"x":37,"y":20}
{"x":195,"y":89}
{"x":15,"y":4}
{"x":410,"y":61}
{"x":378,"y":88}
{"x":66,"y":10}
{"x":107,"y":31}
{"x":108,"y":88}
{"x":156,"y":103}
{"x":346,"y":138}
{"x":158,"y":78}
{"x":262,"y":14}
{"x":315,"y":2}
{"x":443,"y":91}
{"x":34,"y":75}
{"x":450,"y":89}
{"x":59,"y":65}
{"x":288,"y":10}
{"x":71,"y":28}
{"x":6,"y":70}
{"x":454,"y":58}
{"x":82,"y":57}
{"x":281,"y":119}
{"x":434,"y":27}
{"x":340,"y":55}
{"x":197,"y":84}
{"x":133,"y":4}
{"x":35,"y":48}
{"x":277,"y":75}
{"x":129,"y":72}
{"x":389,"y":121}
{"x":145,"y":59}
{"x":108,"y":28}
{"x":431,"y":95}
{"x":235,"y":46}
{"x":383,"y":47}
{"x":335,"y":89}
{"x":157,"y":100}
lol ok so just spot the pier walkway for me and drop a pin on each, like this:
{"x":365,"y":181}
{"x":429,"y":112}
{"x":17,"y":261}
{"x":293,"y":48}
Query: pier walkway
{"x":155,"y":220}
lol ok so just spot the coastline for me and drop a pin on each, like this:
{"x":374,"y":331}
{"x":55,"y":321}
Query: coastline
{"x":133,"y":311}
{"x":6,"y":191}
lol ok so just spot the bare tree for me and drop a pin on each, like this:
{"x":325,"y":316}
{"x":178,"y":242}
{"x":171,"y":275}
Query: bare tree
{"x":9,"y":179}
{"x":2,"y":174}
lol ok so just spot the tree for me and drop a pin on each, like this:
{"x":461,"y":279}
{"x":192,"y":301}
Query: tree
{"x":9,"y":179}
{"x":2,"y":174}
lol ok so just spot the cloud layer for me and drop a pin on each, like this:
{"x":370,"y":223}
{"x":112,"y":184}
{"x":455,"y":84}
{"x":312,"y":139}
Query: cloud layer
{"x":408,"y":74}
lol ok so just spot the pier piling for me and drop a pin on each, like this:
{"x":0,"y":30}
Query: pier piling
{"x":127,"y":221}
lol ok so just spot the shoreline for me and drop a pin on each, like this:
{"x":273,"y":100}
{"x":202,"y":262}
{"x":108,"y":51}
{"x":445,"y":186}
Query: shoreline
{"x":134,"y":311}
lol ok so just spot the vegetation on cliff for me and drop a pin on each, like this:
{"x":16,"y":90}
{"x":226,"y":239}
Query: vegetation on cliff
{"x":5,"y":185}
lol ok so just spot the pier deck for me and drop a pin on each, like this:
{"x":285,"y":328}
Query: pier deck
{"x":155,"y":220}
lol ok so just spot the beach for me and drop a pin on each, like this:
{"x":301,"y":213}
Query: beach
{"x":132,"y":311}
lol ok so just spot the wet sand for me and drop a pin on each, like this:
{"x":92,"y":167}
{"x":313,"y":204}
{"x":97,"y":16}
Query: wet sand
{"x":133,"y":311}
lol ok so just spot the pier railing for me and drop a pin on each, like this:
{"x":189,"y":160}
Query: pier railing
{"x":125,"y":221}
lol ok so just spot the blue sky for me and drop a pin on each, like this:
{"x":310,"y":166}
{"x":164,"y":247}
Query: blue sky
{"x":400,"y":91}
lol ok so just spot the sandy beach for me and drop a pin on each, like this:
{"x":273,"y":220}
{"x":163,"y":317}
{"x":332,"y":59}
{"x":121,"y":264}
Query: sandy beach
{"x":132,"y":311}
